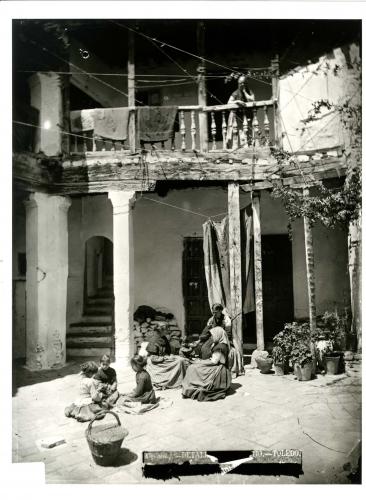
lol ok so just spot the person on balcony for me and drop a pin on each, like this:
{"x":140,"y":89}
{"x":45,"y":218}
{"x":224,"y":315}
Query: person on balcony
{"x":241,"y":95}
{"x":166,"y":370}
{"x":209,"y":378}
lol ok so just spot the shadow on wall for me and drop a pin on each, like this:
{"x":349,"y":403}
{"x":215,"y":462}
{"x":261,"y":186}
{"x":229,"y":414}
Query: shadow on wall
{"x":23,"y":377}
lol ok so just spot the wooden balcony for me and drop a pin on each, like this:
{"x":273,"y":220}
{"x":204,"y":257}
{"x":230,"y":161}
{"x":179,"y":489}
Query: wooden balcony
{"x":231,"y":128}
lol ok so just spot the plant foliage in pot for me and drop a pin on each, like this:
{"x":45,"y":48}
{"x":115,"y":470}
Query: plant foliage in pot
{"x":302,"y":360}
{"x":278,"y":357}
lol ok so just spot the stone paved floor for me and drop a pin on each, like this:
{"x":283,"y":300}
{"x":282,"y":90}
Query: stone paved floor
{"x":321,"y":417}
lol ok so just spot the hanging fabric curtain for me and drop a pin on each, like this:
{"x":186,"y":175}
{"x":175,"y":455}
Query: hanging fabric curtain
{"x":216,"y":259}
{"x":247,"y":264}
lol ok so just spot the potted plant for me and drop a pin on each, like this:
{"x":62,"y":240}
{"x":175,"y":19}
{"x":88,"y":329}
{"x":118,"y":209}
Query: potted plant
{"x":302,"y":360}
{"x":332,"y":342}
{"x":264,"y":362}
{"x":278,"y":356}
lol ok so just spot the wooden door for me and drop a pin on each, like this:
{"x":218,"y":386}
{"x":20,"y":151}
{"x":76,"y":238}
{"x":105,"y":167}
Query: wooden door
{"x":278,"y":302}
{"x":197,"y":308}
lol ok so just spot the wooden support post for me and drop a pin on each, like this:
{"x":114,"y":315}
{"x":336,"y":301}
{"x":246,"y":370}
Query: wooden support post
{"x":275,"y":69}
{"x":235,"y":265}
{"x":310,"y":275}
{"x":131,"y":91}
{"x":258,"y":269}
{"x":202,"y":94}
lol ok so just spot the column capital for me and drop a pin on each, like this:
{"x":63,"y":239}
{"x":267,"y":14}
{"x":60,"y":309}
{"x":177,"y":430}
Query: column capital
{"x":37,"y":199}
{"x":122,"y":199}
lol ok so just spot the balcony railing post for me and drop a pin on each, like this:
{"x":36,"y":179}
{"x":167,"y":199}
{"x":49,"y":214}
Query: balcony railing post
{"x":182,"y":130}
{"x":213,"y":130}
{"x":202,"y":94}
{"x":235,"y":131}
{"x":255,"y":126}
{"x":193,"y":129}
{"x":224,"y":130}
{"x":245,"y":131}
{"x":275,"y":70}
{"x":266,"y":127}
{"x":131,"y":91}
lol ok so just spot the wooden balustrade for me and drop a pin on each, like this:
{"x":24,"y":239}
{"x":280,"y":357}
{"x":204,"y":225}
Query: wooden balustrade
{"x":231,"y":126}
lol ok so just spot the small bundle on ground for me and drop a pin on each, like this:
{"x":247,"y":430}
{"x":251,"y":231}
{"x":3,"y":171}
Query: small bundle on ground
{"x":147,"y":320}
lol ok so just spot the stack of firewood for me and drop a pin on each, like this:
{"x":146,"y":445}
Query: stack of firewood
{"x":144,"y":328}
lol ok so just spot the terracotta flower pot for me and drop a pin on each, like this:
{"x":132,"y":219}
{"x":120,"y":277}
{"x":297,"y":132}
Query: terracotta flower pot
{"x":303,"y":373}
{"x":279,"y":368}
{"x":307,"y":371}
{"x":264,"y":364}
{"x":332,"y":364}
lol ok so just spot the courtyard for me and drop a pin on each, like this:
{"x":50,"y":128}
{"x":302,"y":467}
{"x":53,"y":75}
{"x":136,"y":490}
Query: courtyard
{"x":321,"y":417}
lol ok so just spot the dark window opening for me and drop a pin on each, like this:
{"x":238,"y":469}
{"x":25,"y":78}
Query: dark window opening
{"x":22,"y":264}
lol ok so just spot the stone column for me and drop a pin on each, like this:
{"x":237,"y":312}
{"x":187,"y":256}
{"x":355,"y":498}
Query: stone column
{"x":46,"y":96}
{"x":46,"y":280}
{"x":123,"y":262}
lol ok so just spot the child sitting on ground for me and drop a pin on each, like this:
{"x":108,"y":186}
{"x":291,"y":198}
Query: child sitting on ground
{"x":89,"y":402}
{"x":143,"y":392}
{"x":107,"y":378}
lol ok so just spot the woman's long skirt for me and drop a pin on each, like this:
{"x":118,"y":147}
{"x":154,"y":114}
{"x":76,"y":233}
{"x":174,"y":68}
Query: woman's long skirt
{"x":167,"y":374}
{"x":206,"y":382}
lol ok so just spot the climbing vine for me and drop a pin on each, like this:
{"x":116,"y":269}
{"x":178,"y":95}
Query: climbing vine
{"x":330,"y":206}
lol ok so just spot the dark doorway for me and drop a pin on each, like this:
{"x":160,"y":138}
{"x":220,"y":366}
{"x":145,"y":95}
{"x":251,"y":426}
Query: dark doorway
{"x":197,"y":308}
{"x":278,"y":302}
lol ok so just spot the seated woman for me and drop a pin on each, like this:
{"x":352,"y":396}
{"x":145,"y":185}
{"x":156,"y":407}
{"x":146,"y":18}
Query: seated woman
{"x":209,"y":379}
{"x":89,"y":402}
{"x":218,"y":318}
{"x":166,"y":370}
{"x":143,"y":392}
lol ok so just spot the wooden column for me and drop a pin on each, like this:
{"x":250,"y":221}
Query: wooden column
{"x":257,"y":235}
{"x":202,"y":94}
{"x":310,"y":275}
{"x":235,"y":265}
{"x":275,"y":69}
{"x":131,"y":90}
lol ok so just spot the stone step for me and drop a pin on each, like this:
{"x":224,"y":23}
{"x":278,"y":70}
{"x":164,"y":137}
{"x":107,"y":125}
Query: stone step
{"x":98,"y":310}
{"x":99,"y":301}
{"x":89,"y":328}
{"x":90,"y":341}
{"x":104,"y":292}
{"x":105,"y":319}
{"x":87,"y":352}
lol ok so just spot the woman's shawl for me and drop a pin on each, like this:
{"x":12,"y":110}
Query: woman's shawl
{"x":220,"y":343}
{"x":158,"y":345}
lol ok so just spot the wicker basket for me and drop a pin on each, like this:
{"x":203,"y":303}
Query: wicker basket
{"x":105,"y":440}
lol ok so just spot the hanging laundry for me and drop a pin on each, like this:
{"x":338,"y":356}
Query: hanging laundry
{"x":111,"y":123}
{"x":156,"y":123}
{"x":82,"y":120}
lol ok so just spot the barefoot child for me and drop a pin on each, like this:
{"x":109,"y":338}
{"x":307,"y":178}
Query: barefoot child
{"x":89,"y":401}
{"x":107,"y":378}
{"x":143,"y":392}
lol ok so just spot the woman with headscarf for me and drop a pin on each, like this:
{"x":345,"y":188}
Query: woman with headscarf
{"x":219,"y":318}
{"x":166,"y":370}
{"x":210,"y":379}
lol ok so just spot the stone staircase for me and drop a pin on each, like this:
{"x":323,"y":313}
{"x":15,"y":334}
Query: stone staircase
{"x":93,"y":335}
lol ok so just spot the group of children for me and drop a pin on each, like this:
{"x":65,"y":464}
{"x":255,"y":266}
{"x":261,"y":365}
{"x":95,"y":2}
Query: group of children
{"x":98,"y":389}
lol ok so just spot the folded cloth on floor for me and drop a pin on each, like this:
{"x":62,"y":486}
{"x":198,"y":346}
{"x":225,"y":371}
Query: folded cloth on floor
{"x":137,"y":408}
{"x":111,"y":123}
{"x":156,"y":123}
{"x":82,"y":120}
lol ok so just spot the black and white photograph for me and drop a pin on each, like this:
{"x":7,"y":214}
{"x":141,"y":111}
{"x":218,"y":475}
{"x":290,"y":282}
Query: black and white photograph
{"x":185,"y":243}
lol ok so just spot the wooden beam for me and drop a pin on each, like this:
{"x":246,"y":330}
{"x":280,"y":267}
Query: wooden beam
{"x":310,"y":274}
{"x":131,"y":91}
{"x":258,"y":269}
{"x":202,"y":94}
{"x":275,"y":68}
{"x":235,"y":265}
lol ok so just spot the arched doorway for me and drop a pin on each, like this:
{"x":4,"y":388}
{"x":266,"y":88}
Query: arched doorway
{"x":93,"y":335}
{"x":98,"y":266}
